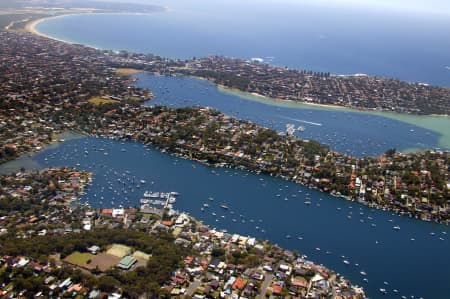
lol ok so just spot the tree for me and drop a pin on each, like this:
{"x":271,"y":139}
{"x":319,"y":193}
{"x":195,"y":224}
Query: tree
{"x":108,"y":283}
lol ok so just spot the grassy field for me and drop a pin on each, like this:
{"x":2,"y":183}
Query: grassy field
{"x":101,"y":101}
{"x":127,"y":71}
{"x":119,"y":250}
{"x":141,"y":255}
{"x":79,"y":259}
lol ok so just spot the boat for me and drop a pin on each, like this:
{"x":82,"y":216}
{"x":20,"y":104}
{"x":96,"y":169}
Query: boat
{"x":307,"y":202}
{"x":383,"y":291}
{"x":206,"y":205}
{"x":224,"y":207}
{"x":397,"y":227}
{"x":346,"y":262}
{"x":142,"y":181}
{"x":363,"y":273}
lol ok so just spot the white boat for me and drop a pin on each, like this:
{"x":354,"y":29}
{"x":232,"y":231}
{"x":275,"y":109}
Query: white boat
{"x":346,"y":262}
{"x":396,"y":227}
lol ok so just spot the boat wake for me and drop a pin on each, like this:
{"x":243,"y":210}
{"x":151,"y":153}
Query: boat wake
{"x":303,"y":121}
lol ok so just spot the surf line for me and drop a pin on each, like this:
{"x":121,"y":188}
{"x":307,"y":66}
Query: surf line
{"x":304,"y":121}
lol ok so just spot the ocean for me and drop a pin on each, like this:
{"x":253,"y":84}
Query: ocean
{"x":324,"y":39}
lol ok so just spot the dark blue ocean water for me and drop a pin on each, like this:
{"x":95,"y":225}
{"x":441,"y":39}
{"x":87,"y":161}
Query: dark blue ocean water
{"x":412,"y":47}
{"x":353,"y":133}
{"x":415,"y":48}
{"x":273,"y":209}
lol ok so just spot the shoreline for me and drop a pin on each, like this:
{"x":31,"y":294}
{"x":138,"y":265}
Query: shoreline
{"x":317,"y":105}
{"x":422,"y":121}
{"x":31,"y":27}
{"x":299,"y":104}
{"x":434,"y":123}
{"x":16,"y":163}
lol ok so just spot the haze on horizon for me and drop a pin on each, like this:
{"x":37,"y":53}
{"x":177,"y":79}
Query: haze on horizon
{"x":416,"y":7}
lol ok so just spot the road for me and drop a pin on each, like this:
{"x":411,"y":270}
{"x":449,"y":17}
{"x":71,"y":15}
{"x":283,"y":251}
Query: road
{"x":265,"y":285}
{"x":192,"y":287}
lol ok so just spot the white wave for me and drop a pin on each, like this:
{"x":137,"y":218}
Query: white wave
{"x":304,"y":121}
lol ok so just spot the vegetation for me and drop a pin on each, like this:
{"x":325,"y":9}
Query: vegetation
{"x":101,"y":101}
{"x":165,"y":257}
{"x":127,"y":71}
{"x":79,"y":258}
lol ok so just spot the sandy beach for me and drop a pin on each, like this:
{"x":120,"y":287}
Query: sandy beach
{"x":31,"y":27}
{"x":436,"y":123}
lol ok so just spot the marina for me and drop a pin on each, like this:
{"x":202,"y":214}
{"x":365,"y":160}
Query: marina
{"x":342,"y":230}
{"x":374,"y":248}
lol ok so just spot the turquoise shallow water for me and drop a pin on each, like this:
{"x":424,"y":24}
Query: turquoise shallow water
{"x":338,"y":41}
{"x":273,"y":209}
{"x":354,"y":133}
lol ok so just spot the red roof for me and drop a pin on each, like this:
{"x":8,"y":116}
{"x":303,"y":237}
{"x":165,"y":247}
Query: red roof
{"x":239,"y":284}
{"x":167,"y":223}
{"x":276,"y":289}
{"x":178,"y":279}
{"x":107,"y":211}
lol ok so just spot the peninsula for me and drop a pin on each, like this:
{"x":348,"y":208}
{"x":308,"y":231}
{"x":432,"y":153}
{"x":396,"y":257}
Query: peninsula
{"x":70,"y":76}
{"x":351,"y":91}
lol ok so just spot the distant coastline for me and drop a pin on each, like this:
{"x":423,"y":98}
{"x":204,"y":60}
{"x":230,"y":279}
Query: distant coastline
{"x":435,"y":122}
{"x":31,"y":27}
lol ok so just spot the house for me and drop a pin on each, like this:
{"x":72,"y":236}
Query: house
{"x":107,"y":212}
{"x":94,"y":249}
{"x":276,"y":289}
{"x":117,"y":213}
{"x":126,"y":263}
{"x":214,"y":263}
{"x":239,"y":284}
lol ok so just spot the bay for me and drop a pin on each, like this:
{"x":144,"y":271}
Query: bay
{"x":271,"y":209}
{"x":412,"y":48}
{"x":347,"y":131}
